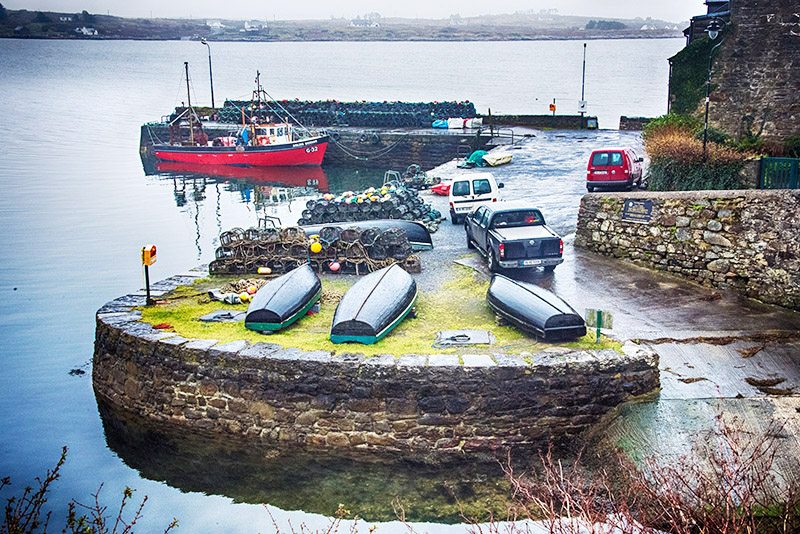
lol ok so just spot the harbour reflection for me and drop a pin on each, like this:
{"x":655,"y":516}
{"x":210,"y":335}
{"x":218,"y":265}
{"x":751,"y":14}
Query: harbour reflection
{"x":300,"y":176}
{"x":316,"y":484}
{"x":276,"y":193}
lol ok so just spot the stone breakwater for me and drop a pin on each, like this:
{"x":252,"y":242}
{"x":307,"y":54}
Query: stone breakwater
{"x":745,"y":240}
{"x":417,"y":407}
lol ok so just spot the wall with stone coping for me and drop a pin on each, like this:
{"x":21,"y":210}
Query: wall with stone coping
{"x":745,"y":240}
{"x":423,"y":408}
{"x":633,"y":123}
{"x":757,"y":71}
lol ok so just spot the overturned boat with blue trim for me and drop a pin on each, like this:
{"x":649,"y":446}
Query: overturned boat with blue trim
{"x":373,"y":306}
{"x":534,"y":309}
{"x":284,"y":300}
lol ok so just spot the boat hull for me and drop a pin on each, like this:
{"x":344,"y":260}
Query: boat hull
{"x":306,"y":152}
{"x":442,"y":188}
{"x":374,"y":306}
{"x":284,"y":300}
{"x":418,"y":235}
{"x":496,"y":161}
{"x":534,"y":310}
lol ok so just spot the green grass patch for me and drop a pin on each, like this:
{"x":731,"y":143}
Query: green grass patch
{"x":459,"y":304}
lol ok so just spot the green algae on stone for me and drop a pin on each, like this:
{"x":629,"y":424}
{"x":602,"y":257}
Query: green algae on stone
{"x":459,"y":304}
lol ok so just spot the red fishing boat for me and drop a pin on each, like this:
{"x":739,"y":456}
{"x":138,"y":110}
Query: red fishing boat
{"x":257,"y":142}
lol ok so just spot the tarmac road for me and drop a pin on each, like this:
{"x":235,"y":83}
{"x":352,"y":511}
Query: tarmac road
{"x":713,"y":345}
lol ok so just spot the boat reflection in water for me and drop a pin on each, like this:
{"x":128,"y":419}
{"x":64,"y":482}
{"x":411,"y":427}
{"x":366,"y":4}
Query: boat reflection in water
{"x":312,"y":483}
{"x":298,"y":176}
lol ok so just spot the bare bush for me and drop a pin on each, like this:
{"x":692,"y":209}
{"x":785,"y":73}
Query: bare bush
{"x":23,"y":514}
{"x":729,"y":486}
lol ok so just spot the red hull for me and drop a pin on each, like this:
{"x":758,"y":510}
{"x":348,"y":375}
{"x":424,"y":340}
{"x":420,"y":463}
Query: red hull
{"x":442,"y":188}
{"x":308,"y":152}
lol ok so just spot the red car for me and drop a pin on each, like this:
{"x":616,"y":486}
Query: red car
{"x":612,"y":168}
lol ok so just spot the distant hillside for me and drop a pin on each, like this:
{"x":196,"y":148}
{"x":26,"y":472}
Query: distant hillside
{"x":370,"y":27}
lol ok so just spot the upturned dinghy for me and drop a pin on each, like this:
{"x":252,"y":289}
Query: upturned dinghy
{"x":534,"y":309}
{"x":284,"y":300}
{"x":374,"y":306}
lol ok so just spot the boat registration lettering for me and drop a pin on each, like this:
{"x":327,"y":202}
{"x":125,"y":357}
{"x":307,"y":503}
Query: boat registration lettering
{"x":531,"y":262}
{"x":311,"y":149}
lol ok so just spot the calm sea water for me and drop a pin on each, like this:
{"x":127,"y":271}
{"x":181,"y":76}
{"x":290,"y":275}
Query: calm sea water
{"x":76,"y":207}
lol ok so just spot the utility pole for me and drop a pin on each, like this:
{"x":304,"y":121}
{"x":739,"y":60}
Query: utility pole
{"x":583,"y":79}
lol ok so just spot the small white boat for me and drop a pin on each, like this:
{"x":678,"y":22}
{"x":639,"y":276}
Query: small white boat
{"x":494,"y":160}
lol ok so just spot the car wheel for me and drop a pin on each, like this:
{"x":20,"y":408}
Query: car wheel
{"x":491,"y":260}
{"x":549,"y":268}
{"x":469,"y":239}
{"x":453,"y":218}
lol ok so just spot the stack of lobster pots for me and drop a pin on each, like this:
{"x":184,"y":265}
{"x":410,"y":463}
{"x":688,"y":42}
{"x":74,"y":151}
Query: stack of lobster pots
{"x":335,"y":113}
{"x":387,"y":202}
{"x":334,"y":250}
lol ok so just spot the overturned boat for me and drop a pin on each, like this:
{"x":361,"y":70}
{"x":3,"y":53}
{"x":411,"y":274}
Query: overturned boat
{"x":284,"y":300}
{"x":418,"y":234}
{"x":534,"y":309}
{"x":374,"y":306}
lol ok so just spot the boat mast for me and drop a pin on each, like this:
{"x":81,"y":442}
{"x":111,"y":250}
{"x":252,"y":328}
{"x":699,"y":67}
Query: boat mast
{"x":189,"y":100}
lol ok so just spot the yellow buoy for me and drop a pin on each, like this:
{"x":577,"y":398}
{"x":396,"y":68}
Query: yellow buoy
{"x":316,"y":248}
{"x":264,"y":270}
{"x":244,"y":297}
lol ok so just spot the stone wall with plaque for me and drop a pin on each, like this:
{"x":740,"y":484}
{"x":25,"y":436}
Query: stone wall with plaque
{"x":747,"y":240}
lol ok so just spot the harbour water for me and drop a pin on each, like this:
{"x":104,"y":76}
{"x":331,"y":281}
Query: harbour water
{"x":76,"y":208}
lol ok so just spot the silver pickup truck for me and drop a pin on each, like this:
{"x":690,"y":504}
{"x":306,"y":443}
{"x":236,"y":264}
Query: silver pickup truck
{"x":513,"y":235}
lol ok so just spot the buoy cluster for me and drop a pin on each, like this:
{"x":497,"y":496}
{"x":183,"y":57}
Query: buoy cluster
{"x":333,"y":249}
{"x":336,"y":113}
{"x":386,"y":202}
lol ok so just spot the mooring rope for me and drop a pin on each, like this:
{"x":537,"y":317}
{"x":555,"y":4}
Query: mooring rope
{"x":378,"y":153}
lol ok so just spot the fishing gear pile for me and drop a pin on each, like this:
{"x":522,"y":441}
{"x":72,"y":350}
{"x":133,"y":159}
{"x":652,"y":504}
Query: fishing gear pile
{"x":386,"y":202}
{"x":333,"y":250}
{"x":335,"y":113}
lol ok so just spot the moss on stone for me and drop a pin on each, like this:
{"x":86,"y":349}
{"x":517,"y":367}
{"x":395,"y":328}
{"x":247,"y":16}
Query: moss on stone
{"x":459,"y":304}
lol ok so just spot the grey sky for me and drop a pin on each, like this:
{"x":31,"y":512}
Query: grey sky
{"x":670,"y":10}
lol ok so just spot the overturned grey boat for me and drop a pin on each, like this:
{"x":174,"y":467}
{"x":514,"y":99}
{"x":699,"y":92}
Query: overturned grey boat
{"x":418,"y":235}
{"x":284,"y":300}
{"x":374,"y":306}
{"x":534,"y":309}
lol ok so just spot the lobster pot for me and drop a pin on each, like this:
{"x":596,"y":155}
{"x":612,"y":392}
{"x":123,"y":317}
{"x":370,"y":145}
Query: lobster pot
{"x":355,"y":249}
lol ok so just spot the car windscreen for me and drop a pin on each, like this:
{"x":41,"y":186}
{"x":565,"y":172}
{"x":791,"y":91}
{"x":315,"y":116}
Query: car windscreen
{"x":603,"y":159}
{"x":512,"y":219}
{"x":460,"y":189}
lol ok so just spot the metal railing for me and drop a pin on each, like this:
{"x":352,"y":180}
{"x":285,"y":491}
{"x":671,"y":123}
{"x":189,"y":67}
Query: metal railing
{"x":779,"y":173}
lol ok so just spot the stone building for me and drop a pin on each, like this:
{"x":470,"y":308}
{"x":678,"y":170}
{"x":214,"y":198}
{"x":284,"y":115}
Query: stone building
{"x":755,"y":75}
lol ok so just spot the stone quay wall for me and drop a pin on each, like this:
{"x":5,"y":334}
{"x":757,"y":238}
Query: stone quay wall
{"x":414,"y":407}
{"x":746,"y":240}
{"x":397,"y":149}
{"x":757,"y":72}
{"x":559,"y":122}
{"x":633,"y":123}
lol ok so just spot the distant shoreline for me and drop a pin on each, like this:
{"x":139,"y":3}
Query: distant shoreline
{"x":27,"y":24}
{"x":420,"y":40}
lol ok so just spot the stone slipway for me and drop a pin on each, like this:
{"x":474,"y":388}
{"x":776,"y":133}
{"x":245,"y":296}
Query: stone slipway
{"x":419,"y":407}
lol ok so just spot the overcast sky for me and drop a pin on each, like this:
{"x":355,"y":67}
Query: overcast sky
{"x":670,"y":10}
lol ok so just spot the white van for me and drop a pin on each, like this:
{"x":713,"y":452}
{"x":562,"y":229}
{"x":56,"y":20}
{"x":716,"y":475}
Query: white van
{"x":470,"y":191}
